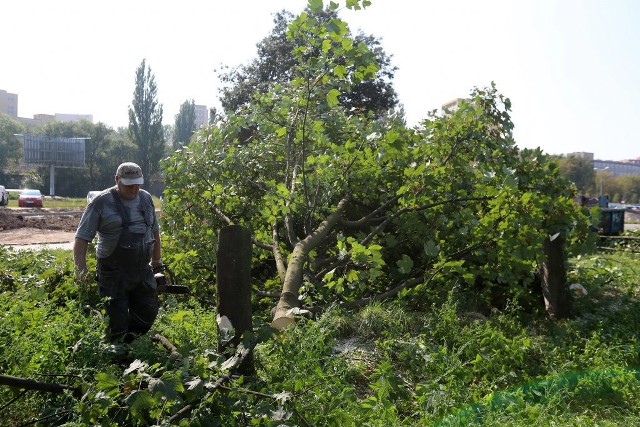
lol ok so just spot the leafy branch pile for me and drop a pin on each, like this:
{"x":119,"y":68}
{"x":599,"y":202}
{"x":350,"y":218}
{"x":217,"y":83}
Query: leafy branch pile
{"x":350,"y":205}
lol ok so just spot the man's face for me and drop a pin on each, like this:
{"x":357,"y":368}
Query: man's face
{"x":127,"y":192}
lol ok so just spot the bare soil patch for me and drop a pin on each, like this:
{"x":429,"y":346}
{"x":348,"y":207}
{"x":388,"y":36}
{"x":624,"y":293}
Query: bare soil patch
{"x":33,"y":226}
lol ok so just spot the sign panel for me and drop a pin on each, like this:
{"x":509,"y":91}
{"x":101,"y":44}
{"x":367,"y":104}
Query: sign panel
{"x":45,"y":150}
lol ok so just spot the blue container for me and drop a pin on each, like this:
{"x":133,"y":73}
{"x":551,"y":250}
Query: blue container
{"x":611,"y":221}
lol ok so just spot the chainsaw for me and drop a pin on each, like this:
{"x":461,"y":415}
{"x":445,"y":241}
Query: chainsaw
{"x":166,"y":283}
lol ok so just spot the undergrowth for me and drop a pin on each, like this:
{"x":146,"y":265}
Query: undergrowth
{"x":384,"y":365}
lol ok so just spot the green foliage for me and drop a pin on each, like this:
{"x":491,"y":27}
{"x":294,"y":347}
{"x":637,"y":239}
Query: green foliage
{"x":450,"y":216}
{"x":385,"y":364}
{"x":578,"y":170}
{"x":275,"y":65}
{"x":10,"y":146}
{"x":451,"y":205}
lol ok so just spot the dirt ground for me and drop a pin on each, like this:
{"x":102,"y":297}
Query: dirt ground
{"x":36,"y":226}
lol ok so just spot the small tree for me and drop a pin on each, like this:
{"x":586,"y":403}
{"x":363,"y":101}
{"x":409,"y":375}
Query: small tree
{"x":145,"y":121}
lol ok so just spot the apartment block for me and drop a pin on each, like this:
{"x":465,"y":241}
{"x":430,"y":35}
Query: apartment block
{"x":202,"y":116}
{"x":9,"y":103}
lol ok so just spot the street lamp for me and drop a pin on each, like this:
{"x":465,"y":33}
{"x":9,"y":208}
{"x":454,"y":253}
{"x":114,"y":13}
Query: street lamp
{"x":601,"y":176}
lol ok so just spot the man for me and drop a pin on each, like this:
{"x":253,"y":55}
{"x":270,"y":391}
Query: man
{"x":128,"y":249}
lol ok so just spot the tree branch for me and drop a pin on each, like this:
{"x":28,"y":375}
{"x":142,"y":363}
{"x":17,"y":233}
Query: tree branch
{"x":281,"y":267}
{"x":288,"y":223}
{"x":372,"y":215}
{"x":293,"y":278}
{"x":388,"y":294}
{"x":173,"y":351}
{"x":219,"y":213}
{"x":36,"y":385}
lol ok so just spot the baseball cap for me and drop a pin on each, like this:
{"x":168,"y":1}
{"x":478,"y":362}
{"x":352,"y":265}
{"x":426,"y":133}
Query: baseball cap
{"x":130,"y":174}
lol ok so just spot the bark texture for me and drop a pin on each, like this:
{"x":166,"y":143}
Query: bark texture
{"x":553,"y":277}
{"x":234,"y":284}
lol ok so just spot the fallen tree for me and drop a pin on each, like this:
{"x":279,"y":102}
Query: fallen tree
{"x":345,"y":206}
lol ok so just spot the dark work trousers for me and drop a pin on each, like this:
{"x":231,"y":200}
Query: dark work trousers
{"x":128,"y":282}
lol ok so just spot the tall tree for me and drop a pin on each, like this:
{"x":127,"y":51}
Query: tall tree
{"x":578,"y":170}
{"x":275,"y":64}
{"x":185,"y":124}
{"x":145,"y":121}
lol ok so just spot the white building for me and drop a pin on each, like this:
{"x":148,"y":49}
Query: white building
{"x":201,"y":116}
{"x":9,"y":103}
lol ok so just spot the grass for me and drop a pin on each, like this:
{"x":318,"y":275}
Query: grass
{"x":67,"y":202}
{"x":384,"y":365}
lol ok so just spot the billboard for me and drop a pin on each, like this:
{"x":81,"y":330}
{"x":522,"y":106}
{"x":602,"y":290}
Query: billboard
{"x":54,"y":151}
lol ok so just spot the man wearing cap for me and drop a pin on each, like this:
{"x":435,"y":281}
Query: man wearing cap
{"x":127,"y":250}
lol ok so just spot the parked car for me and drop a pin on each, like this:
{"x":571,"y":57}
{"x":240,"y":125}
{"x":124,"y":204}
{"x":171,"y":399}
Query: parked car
{"x":30,"y":198}
{"x":4,"y":196}
{"x":91,"y":195}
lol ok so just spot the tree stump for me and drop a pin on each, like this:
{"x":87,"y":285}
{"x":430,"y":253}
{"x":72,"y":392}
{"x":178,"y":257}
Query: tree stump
{"x":234,"y":286}
{"x":553,"y":277}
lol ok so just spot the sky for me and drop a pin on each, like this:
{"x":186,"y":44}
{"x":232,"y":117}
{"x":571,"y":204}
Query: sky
{"x":571,"y":68}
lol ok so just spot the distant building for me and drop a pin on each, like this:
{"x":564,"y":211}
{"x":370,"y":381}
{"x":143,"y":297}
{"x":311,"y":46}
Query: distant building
{"x":9,"y":106}
{"x":9,"y":103}
{"x":37,"y":120}
{"x":613,"y":167}
{"x":202,"y":116}
{"x":618,"y":168}
{"x":453,"y":105}
{"x":73,"y":117}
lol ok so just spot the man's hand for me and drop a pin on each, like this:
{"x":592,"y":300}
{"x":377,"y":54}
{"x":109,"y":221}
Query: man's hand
{"x":85,"y":289}
{"x":82,"y":276}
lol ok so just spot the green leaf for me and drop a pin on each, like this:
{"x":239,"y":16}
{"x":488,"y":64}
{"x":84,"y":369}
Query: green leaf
{"x":332,"y":97}
{"x":340,"y":71}
{"x":166,"y":386}
{"x":511,"y":182}
{"x":106,"y":381}
{"x":139,"y":401}
{"x":315,"y":6}
{"x":431,"y":249}
{"x":134,"y":366}
{"x":326,"y":45}
{"x":405,"y":264}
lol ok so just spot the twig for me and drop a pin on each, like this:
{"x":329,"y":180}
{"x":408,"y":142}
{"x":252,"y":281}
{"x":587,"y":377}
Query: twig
{"x":6,"y":405}
{"x":173,"y":351}
{"x":45,"y":418}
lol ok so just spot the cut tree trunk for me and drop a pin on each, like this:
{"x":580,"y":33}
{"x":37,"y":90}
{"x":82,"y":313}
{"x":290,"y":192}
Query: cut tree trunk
{"x":553,"y":277}
{"x":283,"y":316}
{"x":234,"y":285}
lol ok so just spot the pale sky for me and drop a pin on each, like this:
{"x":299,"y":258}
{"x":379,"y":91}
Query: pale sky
{"x":570,"y":67}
